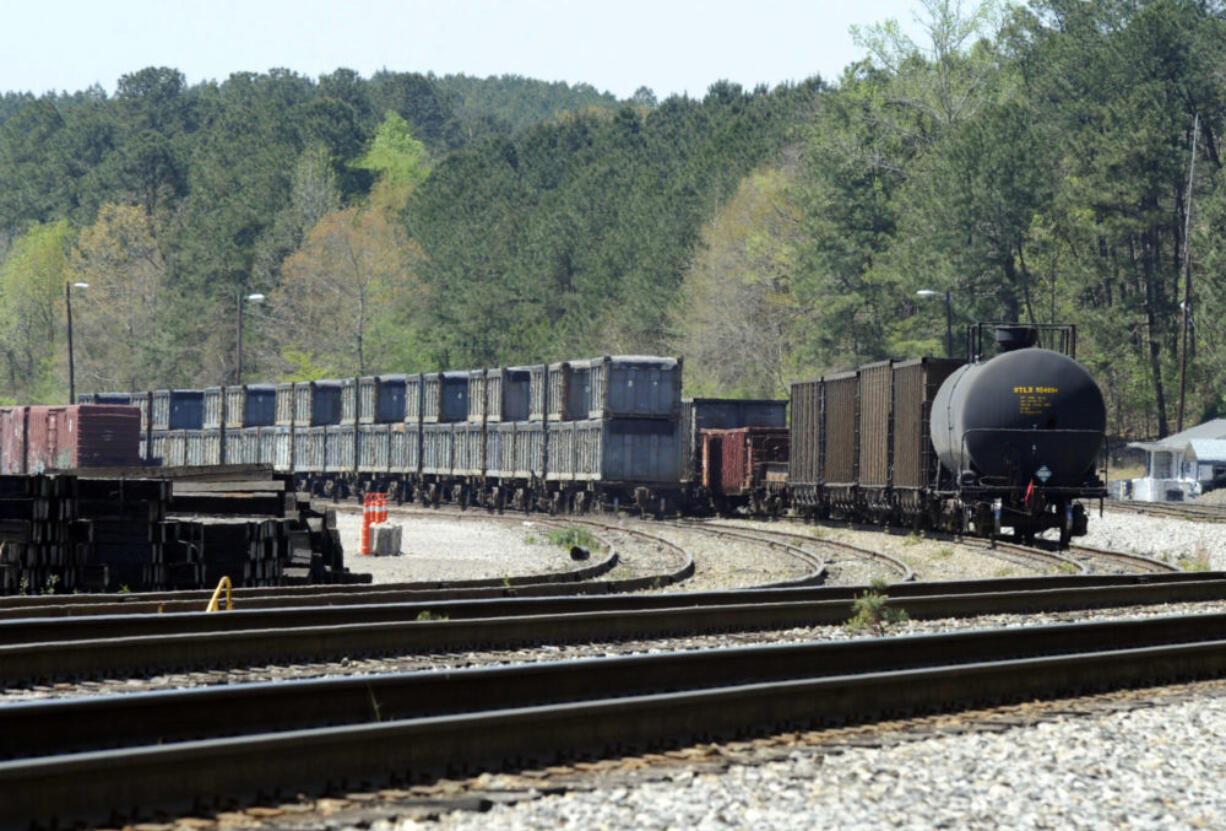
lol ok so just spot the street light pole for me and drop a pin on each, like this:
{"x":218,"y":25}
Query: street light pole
{"x":72,"y":375}
{"x":254,"y":298}
{"x":949,"y":318}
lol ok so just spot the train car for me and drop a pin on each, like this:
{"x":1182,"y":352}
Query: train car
{"x":35,"y":439}
{"x":746,"y":467}
{"x":1018,"y":436}
{"x":1006,"y":441}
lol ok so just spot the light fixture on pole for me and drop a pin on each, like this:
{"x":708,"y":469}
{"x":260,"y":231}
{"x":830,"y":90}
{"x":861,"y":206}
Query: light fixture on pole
{"x":250,"y":298}
{"x":72,"y":376}
{"x":949,"y":319}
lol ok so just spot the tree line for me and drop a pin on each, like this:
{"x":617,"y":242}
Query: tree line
{"x":1053,"y":162}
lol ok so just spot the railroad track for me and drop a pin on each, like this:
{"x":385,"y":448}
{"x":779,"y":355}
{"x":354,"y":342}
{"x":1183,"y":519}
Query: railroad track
{"x":54,"y":649}
{"x":1173,"y":510}
{"x":900,"y":570}
{"x":579,"y":581}
{"x":198,"y":750}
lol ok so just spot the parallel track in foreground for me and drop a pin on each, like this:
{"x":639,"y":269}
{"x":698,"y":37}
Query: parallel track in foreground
{"x":419,"y":726}
{"x":59,"y":648}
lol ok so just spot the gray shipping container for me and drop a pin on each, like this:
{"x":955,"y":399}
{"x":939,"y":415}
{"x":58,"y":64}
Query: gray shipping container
{"x":308,"y":449}
{"x":374,"y":447}
{"x":242,"y":446}
{"x":477,"y":384}
{"x":469,"y":449}
{"x":252,"y":405}
{"x":202,"y":447}
{"x":444,"y":397}
{"x":530,"y":449}
{"x":635,"y":386}
{"x":560,"y":400}
{"x":276,"y":447}
{"x":500,"y":449}
{"x":626,"y":450}
{"x":340,"y":448}
{"x":285,"y":405}
{"x":538,"y":392}
{"x":177,"y":409}
{"x":87,"y":398}
{"x":381,"y":399}
{"x":349,"y":401}
{"x":317,"y":404}
{"x":214,"y":406}
{"x":156,"y":450}
{"x":841,"y":433}
{"x":561,"y":438}
{"x":404,"y":448}
{"x":876,"y":416}
{"x":175,"y":449}
{"x":437,"y":449}
{"x":501,"y":394}
{"x":413,"y":387}
{"x":805,"y":461}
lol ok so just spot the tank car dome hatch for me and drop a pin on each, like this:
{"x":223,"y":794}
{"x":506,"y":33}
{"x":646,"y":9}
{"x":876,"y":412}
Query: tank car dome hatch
{"x":1027,"y":415}
{"x":1009,"y":338}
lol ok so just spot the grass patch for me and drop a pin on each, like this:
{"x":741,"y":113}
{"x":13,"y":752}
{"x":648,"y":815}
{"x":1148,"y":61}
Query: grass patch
{"x":944,"y":553}
{"x":572,"y":536}
{"x":872,"y":612}
{"x":914,"y":538}
{"x":427,"y":615}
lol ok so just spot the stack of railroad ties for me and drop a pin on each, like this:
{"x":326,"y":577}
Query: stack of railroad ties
{"x":563,"y":430}
{"x":134,"y":530}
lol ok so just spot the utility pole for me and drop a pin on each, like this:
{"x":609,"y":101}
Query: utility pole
{"x":1187,"y":279}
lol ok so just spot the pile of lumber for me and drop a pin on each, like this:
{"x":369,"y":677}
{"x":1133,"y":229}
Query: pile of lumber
{"x":139,"y":531}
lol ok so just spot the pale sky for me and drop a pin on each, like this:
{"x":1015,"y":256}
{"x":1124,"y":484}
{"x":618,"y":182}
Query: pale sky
{"x":671,"y":46}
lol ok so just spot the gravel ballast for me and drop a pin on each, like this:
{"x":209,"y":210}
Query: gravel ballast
{"x":1154,"y":767}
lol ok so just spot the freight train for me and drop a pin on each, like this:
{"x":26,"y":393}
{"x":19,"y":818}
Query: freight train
{"x":998,"y":442}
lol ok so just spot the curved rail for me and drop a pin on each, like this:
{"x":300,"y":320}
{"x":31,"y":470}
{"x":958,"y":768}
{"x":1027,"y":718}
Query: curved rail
{"x":905,"y":573}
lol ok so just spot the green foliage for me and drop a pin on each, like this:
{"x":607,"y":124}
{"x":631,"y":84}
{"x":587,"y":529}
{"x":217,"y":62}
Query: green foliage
{"x":394,"y":154}
{"x":571,"y":536}
{"x":872,"y":612}
{"x":427,"y":615}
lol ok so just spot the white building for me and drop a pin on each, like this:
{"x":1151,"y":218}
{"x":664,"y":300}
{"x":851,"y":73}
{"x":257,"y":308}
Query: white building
{"x":1183,"y":466}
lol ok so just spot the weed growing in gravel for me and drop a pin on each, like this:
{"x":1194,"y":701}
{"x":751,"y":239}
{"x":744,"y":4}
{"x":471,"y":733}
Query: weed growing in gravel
{"x":570,"y":536}
{"x":428,"y":615}
{"x":1198,"y":560}
{"x":1003,"y":572}
{"x":1068,"y":568}
{"x":531,"y":539}
{"x":913,"y":538}
{"x":872,"y":614}
{"x":944,"y":553}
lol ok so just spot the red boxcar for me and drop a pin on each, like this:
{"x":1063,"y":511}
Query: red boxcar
{"x":34,"y":439}
{"x":745,"y":467}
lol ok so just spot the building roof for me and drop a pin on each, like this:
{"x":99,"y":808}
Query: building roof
{"x":1208,"y":450}
{"x":1213,"y":429}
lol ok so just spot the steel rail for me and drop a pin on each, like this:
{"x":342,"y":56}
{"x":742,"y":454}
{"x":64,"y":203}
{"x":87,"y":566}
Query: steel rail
{"x":21,"y":662}
{"x":412,"y":608}
{"x":193,"y":775}
{"x":1029,"y":554}
{"x":1191,"y":512}
{"x":57,"y":726}
{"x":101,"y":627}
{"x":1136,"y":562}
{"x":903,"y":571}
